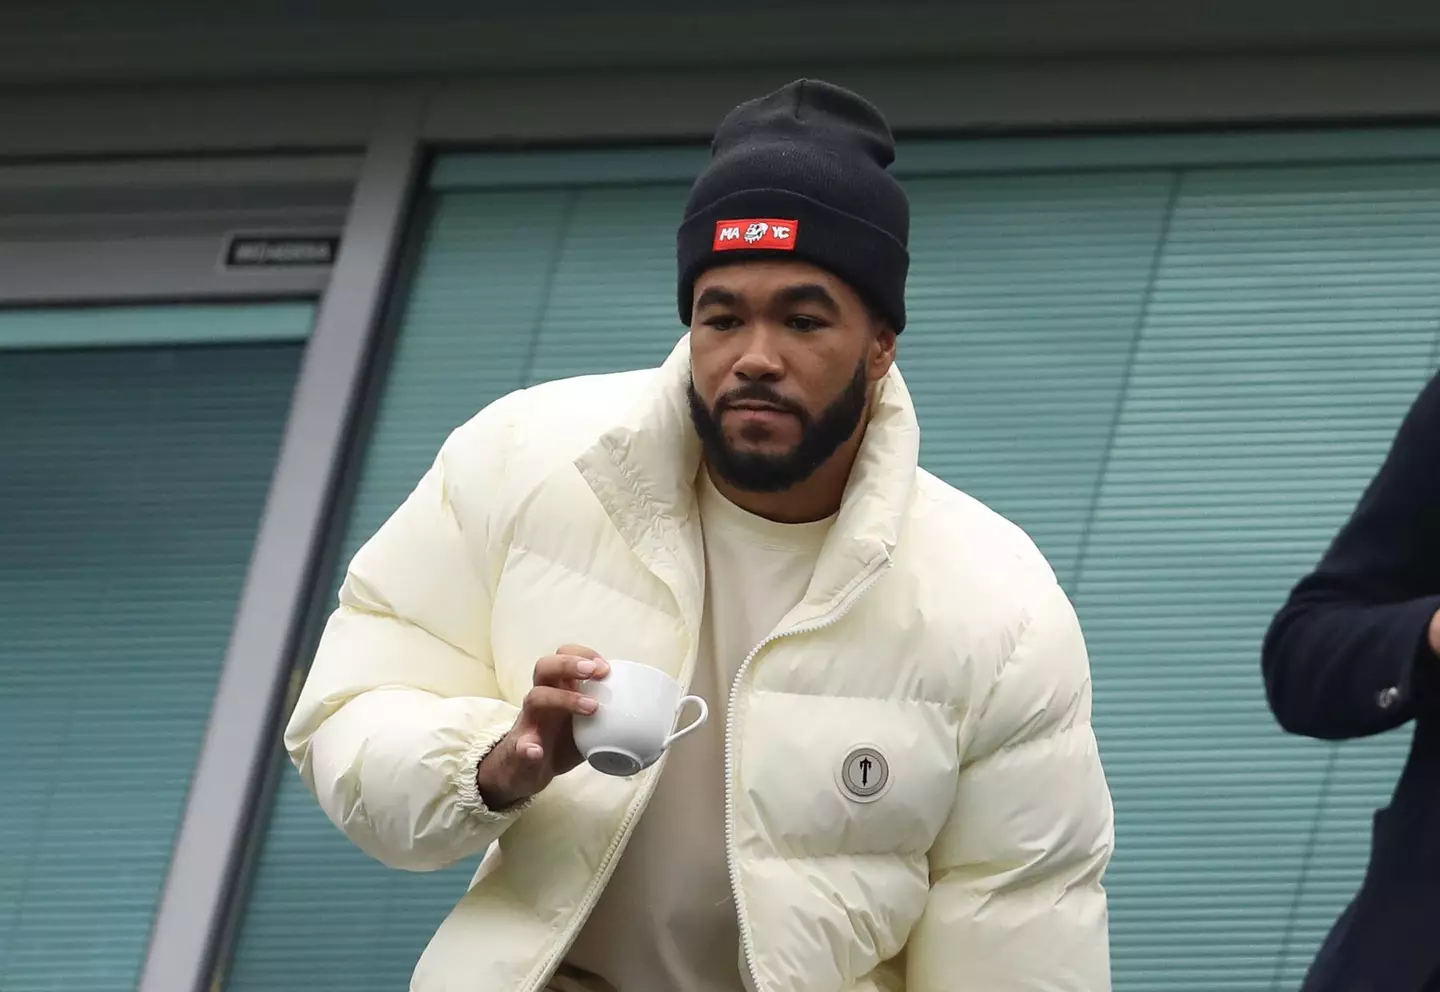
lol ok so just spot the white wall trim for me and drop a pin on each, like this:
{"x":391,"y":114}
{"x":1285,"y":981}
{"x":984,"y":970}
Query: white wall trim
{"x":143,"y":230}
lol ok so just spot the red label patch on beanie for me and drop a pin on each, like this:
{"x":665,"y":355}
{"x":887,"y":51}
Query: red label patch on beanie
{"x":765,"y":233}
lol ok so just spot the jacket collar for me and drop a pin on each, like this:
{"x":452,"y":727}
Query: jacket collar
{"x":643,"y":471}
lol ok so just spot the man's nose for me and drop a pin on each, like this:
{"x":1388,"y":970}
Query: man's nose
{"x":760,"y":361}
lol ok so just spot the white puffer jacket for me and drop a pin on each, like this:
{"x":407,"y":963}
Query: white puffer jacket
{"x":933,"y":632}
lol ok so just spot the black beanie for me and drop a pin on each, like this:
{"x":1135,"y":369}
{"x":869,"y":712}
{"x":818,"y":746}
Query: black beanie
{"x":801,"y":173}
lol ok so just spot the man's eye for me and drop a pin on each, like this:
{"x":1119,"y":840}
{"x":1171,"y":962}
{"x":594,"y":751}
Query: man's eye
{"x":723,"y":322}
{"x":800,"y":322}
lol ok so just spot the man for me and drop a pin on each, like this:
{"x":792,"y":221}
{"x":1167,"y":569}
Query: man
{"x":1356,"y":652}
{"x":898,"y":786}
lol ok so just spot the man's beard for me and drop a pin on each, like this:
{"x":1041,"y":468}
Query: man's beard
{"x":759,"y":472}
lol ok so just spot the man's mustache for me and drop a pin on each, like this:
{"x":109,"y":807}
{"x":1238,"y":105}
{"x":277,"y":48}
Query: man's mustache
{"x":759,"y":392}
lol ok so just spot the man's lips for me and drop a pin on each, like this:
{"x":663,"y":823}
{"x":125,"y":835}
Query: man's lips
{"x":754,"y":407}
{"x":760,"y":415}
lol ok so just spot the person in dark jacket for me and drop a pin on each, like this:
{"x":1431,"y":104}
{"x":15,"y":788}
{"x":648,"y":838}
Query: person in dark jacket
{"x":1355,"y":651}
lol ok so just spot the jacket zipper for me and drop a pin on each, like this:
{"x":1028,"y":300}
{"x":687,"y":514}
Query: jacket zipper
{"x":829,"y":619}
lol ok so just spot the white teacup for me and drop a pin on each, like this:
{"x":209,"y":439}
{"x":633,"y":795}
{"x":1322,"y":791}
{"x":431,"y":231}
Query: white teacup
{"x":635,"y":721}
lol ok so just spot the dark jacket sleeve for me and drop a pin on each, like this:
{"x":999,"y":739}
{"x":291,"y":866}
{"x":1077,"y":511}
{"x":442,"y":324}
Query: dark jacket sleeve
{"x":1347,"y":655}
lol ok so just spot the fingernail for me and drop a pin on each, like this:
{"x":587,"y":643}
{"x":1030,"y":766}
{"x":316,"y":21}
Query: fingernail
{"x":586,"y":668}
{"x":534,"y":752}
{"x":588,"y":705}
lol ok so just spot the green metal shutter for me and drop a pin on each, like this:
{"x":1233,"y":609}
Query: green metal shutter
{"x":1177,"y":380}
{"x":131,"y":485}
{"x":1292,"y":320}
{"x":1024,"y":299}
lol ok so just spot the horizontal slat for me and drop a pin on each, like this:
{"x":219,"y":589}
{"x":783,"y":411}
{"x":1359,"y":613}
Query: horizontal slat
{"x":152,"y":326}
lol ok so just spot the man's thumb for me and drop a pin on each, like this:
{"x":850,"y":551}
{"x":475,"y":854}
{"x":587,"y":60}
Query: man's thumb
{"x":528,"y":747}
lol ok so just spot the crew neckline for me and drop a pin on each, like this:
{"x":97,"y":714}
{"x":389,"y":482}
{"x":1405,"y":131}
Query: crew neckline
{"x":718,"y":511}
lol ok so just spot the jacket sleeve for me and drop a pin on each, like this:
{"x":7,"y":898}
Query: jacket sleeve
{"x":1016,"y":901}
{"x":1347,"y":655}
{"x":401,"y":702}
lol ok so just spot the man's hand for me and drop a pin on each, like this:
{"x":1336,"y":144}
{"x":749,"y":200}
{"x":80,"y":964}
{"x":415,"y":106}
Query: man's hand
{"x":1435,"y":634}
{"x":541,"y":745}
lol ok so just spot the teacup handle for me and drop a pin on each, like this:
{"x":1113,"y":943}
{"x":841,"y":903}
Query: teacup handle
{"x":692,"y":725}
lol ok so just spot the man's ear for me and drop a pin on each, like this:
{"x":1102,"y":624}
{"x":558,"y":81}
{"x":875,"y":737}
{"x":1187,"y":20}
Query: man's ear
{"x":882,"y":353}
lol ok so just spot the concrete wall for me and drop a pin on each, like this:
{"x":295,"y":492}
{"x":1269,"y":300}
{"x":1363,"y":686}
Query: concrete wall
{"x":96,"y":41}
{"x":156,"y":76}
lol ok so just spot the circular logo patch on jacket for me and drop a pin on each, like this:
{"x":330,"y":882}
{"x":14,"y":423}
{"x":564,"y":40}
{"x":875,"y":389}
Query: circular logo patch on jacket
{"x":864,"y":774}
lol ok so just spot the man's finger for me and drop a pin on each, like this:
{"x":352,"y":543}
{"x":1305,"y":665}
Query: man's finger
{"x":547,"y":698}
{"x":579,"y":651}
{"x":559,"y":669}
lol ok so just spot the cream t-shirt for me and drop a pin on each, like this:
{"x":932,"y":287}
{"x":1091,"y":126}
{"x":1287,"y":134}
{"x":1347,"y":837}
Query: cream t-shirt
{"x":666,"y":921}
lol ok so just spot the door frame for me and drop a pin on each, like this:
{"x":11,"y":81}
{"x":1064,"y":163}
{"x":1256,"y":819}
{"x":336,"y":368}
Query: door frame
{"x":195,"y":914}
